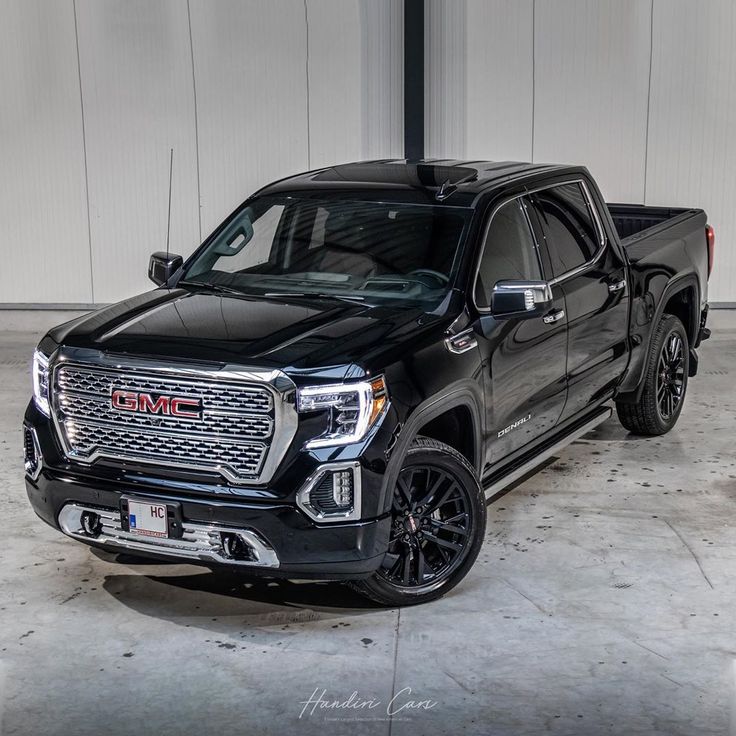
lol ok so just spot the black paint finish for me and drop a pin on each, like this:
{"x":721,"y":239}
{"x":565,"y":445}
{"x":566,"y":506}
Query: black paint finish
{"x":542,"y":373}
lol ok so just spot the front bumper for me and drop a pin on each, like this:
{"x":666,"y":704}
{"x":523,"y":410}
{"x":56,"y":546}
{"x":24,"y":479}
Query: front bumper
{"x":291,"y":545}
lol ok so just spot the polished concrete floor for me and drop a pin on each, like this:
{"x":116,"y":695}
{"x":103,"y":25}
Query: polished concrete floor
{"x":603,"y":601}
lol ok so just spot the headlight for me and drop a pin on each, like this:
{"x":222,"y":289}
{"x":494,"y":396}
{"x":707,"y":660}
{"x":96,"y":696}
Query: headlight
{"x":41,"y":382}
{"x":354,"y":408}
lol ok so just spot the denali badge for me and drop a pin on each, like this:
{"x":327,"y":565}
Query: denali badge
{"x":170,"y":406}
{"x":516,"y":424}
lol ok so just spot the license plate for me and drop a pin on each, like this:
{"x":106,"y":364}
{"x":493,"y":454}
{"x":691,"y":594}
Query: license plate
{"x":149,"y":519}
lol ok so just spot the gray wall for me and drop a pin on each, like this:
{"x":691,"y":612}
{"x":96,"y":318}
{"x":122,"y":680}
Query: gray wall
{"x":96,"y":92}
{"x":643,"y":92}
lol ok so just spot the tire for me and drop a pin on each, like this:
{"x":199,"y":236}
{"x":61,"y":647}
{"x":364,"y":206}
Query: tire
{"x":438,"y":522}
{"x":665,"y":382}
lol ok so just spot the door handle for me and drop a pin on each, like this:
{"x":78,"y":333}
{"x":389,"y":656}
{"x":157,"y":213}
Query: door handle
{"x":553,"y":317}
{"x":617,"y":286}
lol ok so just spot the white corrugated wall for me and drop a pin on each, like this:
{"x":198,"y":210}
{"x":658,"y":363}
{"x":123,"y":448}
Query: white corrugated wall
{"x":643,"y":92}
{"x":95,"y":93}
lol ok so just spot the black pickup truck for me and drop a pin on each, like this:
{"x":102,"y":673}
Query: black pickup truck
{"x":359,"y":358}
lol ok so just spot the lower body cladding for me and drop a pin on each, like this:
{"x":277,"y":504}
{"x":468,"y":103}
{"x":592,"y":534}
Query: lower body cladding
{"x":273,"y":539}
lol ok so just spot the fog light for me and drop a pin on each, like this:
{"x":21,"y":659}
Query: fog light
{"x":91,"y":523}
{"x":332,"y":493}
{"x":342,"y":488}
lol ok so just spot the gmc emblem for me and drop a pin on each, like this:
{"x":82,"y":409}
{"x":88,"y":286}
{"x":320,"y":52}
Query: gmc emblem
{"x":169,"y":406}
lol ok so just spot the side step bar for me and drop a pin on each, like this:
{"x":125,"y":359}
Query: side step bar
{"x":515,"y":472}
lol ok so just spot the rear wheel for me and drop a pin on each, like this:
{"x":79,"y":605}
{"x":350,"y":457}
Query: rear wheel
{"x":438,"y":521}
{"x":665,"y":382}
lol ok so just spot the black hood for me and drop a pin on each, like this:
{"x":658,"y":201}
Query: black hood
{"x":301,"y":334}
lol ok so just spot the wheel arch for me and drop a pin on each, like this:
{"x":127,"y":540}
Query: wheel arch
{"x":673,"y":300}
{"x":458,"y":408}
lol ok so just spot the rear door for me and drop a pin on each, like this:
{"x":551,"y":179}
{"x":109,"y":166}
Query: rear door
{"x":524,"y":360}
{"x":592,"y":275}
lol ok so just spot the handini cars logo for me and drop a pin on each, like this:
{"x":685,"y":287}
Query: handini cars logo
{"x":170,"y":406}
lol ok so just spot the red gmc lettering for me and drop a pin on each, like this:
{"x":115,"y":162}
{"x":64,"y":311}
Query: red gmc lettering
{"x":147,"y":405}
{"x":174,"y":406}
{"x":125,"y":400}
{"x":178,"y":409}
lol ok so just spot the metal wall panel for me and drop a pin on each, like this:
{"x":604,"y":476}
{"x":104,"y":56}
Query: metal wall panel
{"x":250,"y":68}
{"x":692,"y":121}
{"x":479,"y":79}
{"x":355,"y":92}
{"x":591,"y":89}
{"x":499,"y":70}
{"x":44,"y":238}
{"x":138,"y":104}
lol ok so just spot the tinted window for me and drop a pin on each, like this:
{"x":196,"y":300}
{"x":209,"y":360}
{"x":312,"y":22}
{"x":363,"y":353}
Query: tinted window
{"x":509,"y":251}
{"x":569,"y":226}
{"x":368,"y":251}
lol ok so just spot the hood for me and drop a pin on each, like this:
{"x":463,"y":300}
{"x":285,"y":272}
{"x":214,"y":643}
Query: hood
{"x":299,"y":334}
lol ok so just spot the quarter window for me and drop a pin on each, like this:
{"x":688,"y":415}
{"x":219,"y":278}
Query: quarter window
{"x":569,"y":226}
{"x":509,"y":252}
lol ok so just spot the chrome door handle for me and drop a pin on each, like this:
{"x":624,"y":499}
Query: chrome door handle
{"x":553,"y":317}
{"x":617,"y":286}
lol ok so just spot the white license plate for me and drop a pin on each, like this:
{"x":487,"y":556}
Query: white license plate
{"x":148,"y":518}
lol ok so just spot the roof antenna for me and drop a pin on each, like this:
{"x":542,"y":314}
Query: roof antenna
{"x":445,"y":190}
{"x":168,"y":222}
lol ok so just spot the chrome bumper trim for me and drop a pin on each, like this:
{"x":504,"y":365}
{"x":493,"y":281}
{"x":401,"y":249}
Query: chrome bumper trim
{"x":33,"y":467}
{"x":199,"y":541}
{"x":352,"y":514}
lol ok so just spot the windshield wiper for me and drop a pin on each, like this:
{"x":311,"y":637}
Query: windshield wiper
{"x":215,"y":287}
{"x":312,"y":295}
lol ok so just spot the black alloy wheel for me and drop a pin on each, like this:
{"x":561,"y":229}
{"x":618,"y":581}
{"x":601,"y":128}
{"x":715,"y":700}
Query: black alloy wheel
{"x":430,"y":527}
{"x":437,"y":525}
{"x":670,"y":375}
{"x":664,"y":382}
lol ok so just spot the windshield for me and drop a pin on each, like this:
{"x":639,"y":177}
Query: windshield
{"x":372,"y":251}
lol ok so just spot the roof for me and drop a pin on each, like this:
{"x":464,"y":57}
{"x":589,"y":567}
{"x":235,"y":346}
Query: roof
{"x":449,"y":181}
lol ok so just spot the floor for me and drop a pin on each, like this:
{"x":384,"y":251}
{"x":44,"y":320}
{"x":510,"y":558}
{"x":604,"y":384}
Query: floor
{"x":603,"y":601}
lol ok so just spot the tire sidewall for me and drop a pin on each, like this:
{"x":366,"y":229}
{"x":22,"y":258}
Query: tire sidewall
{"x":669,"y":325}
{"x":430,"y":452}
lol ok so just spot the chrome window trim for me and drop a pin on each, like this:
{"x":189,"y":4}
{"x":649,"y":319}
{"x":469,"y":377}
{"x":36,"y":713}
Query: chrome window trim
{"x":280,"y":385}
{"x":597,"y":222}
{"x":302,"y":496}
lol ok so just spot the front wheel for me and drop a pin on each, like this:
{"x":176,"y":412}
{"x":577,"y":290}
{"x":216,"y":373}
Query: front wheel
{"x":665,"y":382}
{"x":438,"y":521}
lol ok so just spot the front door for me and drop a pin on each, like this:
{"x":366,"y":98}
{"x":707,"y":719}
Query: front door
{"x":524,"y":359}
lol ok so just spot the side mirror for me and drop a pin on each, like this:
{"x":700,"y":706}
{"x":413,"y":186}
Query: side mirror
{"x":163,"y":266}
{"x":520,"y":299}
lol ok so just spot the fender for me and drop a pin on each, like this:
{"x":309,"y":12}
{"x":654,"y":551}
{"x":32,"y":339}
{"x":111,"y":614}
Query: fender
{"x":461,"y":394}
{"x":674,"y":286}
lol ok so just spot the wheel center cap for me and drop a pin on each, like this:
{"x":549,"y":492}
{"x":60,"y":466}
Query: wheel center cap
{"x":411,"y":524}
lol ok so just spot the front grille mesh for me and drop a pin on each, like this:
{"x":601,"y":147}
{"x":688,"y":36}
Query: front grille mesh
{"x":232,"y":437}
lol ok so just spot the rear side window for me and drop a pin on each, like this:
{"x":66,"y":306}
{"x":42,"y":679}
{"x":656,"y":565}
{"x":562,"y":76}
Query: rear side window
{"x":509,"y":252}
{"x":569,"y":226}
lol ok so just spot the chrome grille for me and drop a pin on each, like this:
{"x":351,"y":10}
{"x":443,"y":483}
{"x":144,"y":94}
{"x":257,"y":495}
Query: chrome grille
{"x":232,"y":437}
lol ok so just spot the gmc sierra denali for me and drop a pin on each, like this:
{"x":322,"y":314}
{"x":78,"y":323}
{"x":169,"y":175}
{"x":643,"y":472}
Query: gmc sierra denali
{"x":359,"y":358}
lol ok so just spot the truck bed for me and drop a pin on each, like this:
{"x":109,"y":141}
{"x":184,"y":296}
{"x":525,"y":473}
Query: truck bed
{"x":634,"y":219}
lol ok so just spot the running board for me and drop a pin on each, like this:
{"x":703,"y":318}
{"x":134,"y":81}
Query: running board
{"x":496,"y":486}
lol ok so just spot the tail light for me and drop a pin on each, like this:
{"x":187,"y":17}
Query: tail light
{"x":710,"y":236}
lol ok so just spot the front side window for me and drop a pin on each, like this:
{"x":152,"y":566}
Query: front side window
{"x":509,"y":252}
{"x":373,"y":251}
{"x":569,"y":226}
